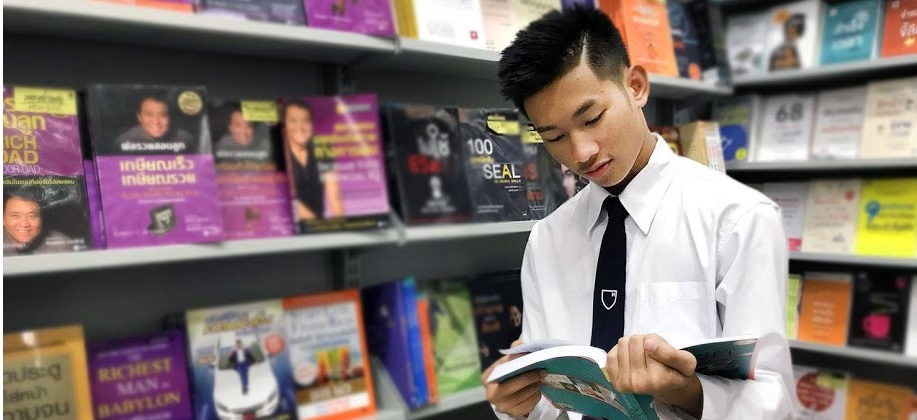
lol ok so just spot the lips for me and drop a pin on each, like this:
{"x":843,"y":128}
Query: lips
{"x":597,"y":170}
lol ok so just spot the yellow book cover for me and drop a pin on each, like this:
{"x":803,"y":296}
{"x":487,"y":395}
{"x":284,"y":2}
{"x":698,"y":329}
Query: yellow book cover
{"x":888,"y":218}
{"x":794,"y":292}
{"x":876,"y":401}
{"x":45,"y":374}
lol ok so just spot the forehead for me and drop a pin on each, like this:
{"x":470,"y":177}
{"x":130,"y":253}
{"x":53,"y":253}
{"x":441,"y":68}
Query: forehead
{"x":152,"y":105}
{"x":22,"y":203}
{"x":297,"y":111}
{"x":561,"y":98}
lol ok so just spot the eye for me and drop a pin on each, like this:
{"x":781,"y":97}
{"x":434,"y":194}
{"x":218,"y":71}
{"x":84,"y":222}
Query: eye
{"x":554,"y":139}
{"x":595,"y":120}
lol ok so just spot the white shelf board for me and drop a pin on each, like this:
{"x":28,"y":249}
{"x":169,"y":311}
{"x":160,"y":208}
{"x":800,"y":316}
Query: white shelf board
{"x":385,"y":415}
{"x":107,"y":258}
{"x":857,"y":353}
{"x":823,"y":165}
{"x":146,"y":26}
{"x":466,"y":230}
{"x":451,"y":402}
{"x":846,"y":71}
{"x":855,"y":260}
{"x":665,"y":87}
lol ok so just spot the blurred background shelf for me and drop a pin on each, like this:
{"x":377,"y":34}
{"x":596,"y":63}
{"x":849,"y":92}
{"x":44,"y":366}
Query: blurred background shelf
{"x":464,"y":231}
{"x":855,"y":260}
{"x":857,"y":353}
{"x":385,"y":415}
{"x":451,"y":402}
{"x":867,"y":69}
{"x":822,"y":165}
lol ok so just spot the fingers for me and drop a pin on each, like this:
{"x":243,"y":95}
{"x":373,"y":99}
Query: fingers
{"x":526,"y":406}
{"x":516,"y":343}
{"x":490,"y":369}
{"x":524,"y":394}
{"x":663,"y":352}
{"x":519,"y":382}
{"x":517,"y":396}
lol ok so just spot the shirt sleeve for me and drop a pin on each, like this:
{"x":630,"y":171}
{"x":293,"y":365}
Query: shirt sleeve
{"x":751,"y":299}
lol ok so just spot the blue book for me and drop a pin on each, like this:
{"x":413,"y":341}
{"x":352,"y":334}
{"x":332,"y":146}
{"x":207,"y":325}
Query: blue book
{"x":569,"y":4}
{"x":415,"y":341}
{"x":850,"y":31}
{"x":736,"y":117}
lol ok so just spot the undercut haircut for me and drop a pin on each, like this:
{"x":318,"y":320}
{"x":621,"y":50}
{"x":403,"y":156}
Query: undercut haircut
{"x":553,"y":45}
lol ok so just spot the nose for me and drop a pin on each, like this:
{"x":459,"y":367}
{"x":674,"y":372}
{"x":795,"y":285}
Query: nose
{"x":585,"y":148}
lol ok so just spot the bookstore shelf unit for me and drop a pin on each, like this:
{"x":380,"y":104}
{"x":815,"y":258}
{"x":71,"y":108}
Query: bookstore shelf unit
{"x":857,"y":260}
{"x":894,"y":359}
{"x":450,"y":402}
{"x":866,"y":69}
{"x":823,"y":165}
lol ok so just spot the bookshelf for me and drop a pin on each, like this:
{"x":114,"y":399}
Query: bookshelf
{"x":857,"y":353}
{"x":823,"y":165}
{"x":820,"y":74}
{"x":848,"y":259}
{"x":450,"y":402}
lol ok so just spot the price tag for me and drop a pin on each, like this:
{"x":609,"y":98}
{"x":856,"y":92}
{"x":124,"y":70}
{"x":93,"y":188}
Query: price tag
{"x":49,"y":101}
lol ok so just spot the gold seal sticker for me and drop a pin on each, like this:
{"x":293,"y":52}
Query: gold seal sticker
{"x":190,"y":102}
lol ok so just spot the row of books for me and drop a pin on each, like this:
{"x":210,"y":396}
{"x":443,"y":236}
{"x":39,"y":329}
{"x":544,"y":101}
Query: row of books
{"x":149,"y":174}
{"x":822,"y":394}
{"x":809,"y":33}
{"x":875,"y":121}
{"x":875,"y":310}
{"x":873,"y":217}
{"x":304,"y":357}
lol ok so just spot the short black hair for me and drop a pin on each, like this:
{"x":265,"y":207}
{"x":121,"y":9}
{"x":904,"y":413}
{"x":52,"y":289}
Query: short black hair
{"x":797,"y":21}
{"x":27,"y":192}
{"x":153,"y":98}
{"x":553,"y":45}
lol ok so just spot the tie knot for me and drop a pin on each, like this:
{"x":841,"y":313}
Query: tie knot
{"x":615,"y":209}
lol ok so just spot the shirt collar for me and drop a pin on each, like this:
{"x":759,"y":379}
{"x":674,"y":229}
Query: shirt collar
{"x":641,"y":198}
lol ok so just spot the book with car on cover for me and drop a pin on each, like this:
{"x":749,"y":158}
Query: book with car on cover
{"x":577,"y":381}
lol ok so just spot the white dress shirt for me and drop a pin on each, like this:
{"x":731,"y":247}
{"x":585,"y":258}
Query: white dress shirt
{"x":706,"y":257}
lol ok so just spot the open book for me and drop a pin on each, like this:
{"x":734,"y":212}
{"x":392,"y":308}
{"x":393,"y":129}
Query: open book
{"x":577,"y":381}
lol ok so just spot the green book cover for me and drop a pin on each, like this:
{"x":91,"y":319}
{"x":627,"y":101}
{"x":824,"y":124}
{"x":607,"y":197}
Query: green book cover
{"x":793,"y":293}
{"x":455,"y":346}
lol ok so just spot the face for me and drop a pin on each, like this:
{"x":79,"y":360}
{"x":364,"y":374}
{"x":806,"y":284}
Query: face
{"x":240,"y":130}
{"x":515,"y":316}
{"x":153,"y":118}
{"x":592,"y":126}
{"x":569,"y":181}
{"x":239,"y":344}
{"x":22,"y":219}
{"x":297,"y":125}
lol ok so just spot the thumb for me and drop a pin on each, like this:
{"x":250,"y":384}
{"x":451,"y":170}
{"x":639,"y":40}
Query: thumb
{"x":663,"y":352}
{"x":516,"y":343}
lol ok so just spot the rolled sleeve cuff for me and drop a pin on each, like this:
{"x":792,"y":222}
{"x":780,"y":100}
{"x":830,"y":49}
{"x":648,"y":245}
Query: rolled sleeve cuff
{"x":716,"y":392}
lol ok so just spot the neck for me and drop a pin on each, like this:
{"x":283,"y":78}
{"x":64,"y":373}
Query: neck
{"x":643,"y":158}
{"x":299,"y":153}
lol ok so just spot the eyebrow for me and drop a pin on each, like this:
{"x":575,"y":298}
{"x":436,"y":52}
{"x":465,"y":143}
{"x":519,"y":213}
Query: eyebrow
{"x":579,"y":111}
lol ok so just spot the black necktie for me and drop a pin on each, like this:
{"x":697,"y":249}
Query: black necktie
{"x":610,"y":273}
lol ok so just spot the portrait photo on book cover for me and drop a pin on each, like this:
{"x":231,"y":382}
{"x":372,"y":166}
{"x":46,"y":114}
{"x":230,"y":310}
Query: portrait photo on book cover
{"x":44,"y":215}
{"x":149,"y":120}
{"x":237,"y":140}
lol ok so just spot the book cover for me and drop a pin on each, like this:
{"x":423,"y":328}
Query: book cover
{"x":793,"y":35}
{"x":253,"y":189}
{"x":793,"y":295}
{"x":910,"y":413}
{"x":328,"y":355}
{"x":819,"y":394}
{"x":644,"y":25}
{"x":711,"y":37}
{"x":786,"y":128}
{"x":45,"y":374}
{"x":140,"y":378}
{"x":569,"y":4}
{"x":280,"y":11}
{"x":851,"y":31}
{"x":526,"y":11}
{"x":832,"y":211}
{"x":455,"y":345}
{"x":499,"y":24}
{"x":549,"y":183}
{"x":426,"y":338}
{"x":372,"y":17}
{"x":387,"y":324}
{"x":910,"y":346}
{"x":889,"y":128}
{"x":839,"y":123}
{"x":888,"y":218}
{"x":900,"y":34}
{"x":671,"y":136}
{"x":869,"y":400}
{"x":333,"y":151}
{"x":427,"y":165}
{"x":415,"y":339}
{"x":156,"y":171}
{"x":494,"y":164}
{"x":455,"y":22}
{"x":824,"y":312}
{"x":173,"y":5}
{"x":791,"y":197}
{"x":685,"y":39}
{"x":45,"y":205}
{"x":496,"y":301}
{"x":878,"y":318}
{"x":239,"y":362}
{"x":94,"y":197}
{"x":746,"y":36}
{"x":738,"y":118}
{"x":701,"y":142}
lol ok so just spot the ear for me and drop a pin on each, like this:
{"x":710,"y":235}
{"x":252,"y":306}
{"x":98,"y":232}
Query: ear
{"x":637,"y":82}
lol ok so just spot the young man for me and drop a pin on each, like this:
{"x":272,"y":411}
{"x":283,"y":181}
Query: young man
{"x":666,"y":250}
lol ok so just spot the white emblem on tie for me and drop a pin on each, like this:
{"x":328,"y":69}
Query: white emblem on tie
{"x":611,"y":295}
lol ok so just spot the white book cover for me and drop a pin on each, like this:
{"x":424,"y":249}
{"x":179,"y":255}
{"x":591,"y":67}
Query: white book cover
{"x":819,"y":395}
{"x":890,"y":126}
{"x":839,"y":123}
{"x":714,"y":147}
{"x":910,"y":336}
{"x":786,"y":128}
{"x":525,"y":11}
{"x":745,"y":43}
{"x":499,"y":24}
{"x":832,"y":213}
{"x":455,"y":22}
{"x":791,"y":197}
{"x":793,"y":33}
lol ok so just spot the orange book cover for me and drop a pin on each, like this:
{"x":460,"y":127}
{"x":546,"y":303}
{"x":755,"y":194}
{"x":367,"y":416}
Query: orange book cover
{"x":876,"y":401}
{"x":900,"y":36}
{"x":426,"y":338}
{"x":825,"y":310}
{"x":910,"y":412}
{"x":644,"y":24}
{"x":174,"y":5}
{"x":343,"y":387}
{"x":45,"y":374}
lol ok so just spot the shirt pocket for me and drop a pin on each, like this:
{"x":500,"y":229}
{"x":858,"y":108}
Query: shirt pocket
{"x":677,"y":311}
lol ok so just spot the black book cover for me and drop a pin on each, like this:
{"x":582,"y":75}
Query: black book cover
{"x":879,"y":314}
{"x":549,"y":183}
{"x":685,"y":40}
{"x":708,"y":22}
{"x":425,"y":162}
{"x":496,"y":301}
{"x":494,"y":164}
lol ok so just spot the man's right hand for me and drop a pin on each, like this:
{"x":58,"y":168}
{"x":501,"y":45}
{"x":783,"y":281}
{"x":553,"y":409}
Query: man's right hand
{"x":517,"y":396}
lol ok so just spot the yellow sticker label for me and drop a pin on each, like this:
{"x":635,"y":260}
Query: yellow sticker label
{"x":741,"y":153}
{"x":531,"y":136}
{"x":50,"y":101}
{"x":829,"y":381}
{"x":509,"y":128}
{"x":260,"y":111}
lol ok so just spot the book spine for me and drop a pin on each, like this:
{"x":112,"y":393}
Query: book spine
{"x":415,"y":345}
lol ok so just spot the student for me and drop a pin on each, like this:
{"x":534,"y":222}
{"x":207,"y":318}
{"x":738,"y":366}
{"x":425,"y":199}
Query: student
{"x":682,"y":252}
{"x":153,"y":125}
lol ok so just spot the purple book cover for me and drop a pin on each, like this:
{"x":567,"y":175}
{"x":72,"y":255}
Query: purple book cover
{"x":333,"y":153}
{"x":253,"y":190}
{"x":44,"y":197}
{"x":95,"y":205}
{"x":156,"y":172}
{"x":142,"y":378}
{"x":281,"y":11}
{"x":373,"y":17}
